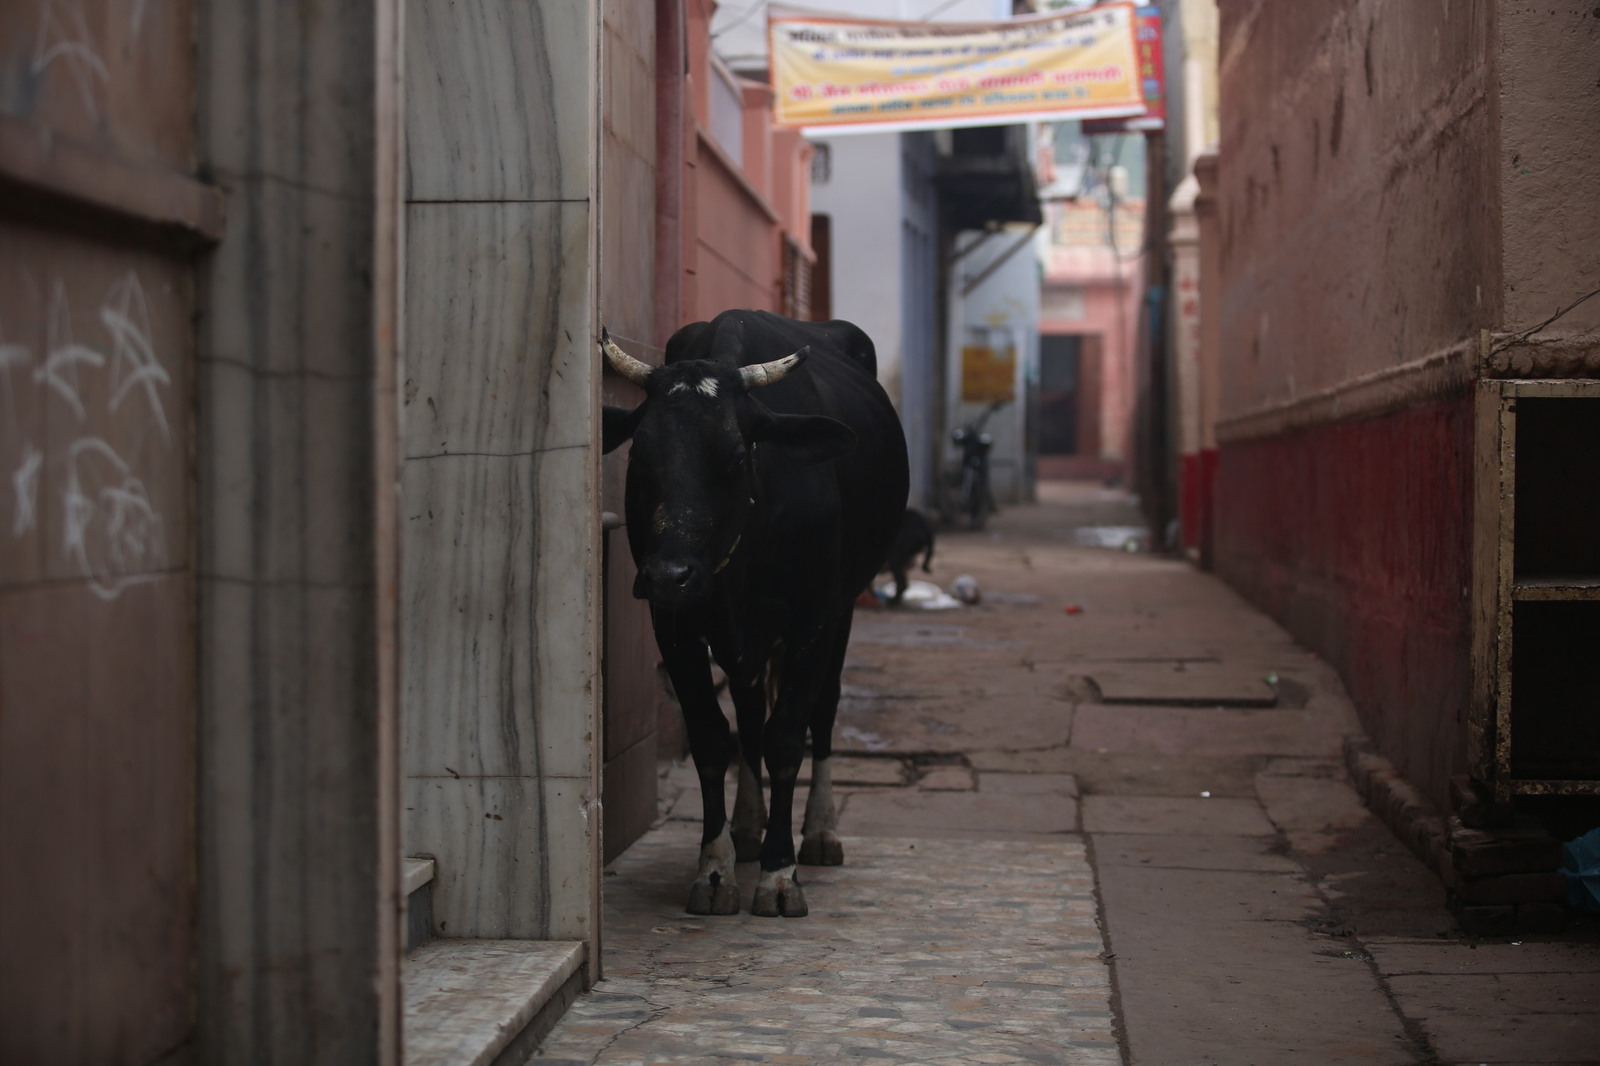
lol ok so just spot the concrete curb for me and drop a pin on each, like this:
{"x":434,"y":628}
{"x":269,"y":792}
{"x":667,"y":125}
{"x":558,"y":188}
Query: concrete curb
{"x":1407,"y":813}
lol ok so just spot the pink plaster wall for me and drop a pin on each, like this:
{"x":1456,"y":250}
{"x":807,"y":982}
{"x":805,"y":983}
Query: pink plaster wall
{"x":737,"y":211}
{"x":737,"y":239}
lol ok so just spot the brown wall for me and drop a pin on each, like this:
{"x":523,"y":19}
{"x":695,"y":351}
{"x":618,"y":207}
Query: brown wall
{"x":98,"y":226}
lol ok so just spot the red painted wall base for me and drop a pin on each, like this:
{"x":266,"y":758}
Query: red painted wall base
{"x":1197,"y":486}
{"x":1357,"y":537}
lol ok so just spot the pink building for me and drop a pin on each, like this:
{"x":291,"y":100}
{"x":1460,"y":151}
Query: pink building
{"x":1088,"y":324}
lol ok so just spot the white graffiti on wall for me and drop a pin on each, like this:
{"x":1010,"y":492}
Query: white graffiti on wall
{"x":133,"y":358}
{"x":63,"y":37}
{"x":110,"y":530}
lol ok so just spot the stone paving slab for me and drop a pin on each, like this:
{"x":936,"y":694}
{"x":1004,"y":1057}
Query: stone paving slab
{"x":1015,"y":784}
{"x":915,"y":952}
{"x":1202,"y":983}
{"x":1190,"y":852}
{"x":1207,"y":731}
{"x":1483,"y":1037}
{"x":1171,"y":814}
{"x":953,"y":724}
{"x":1187,"y":684}
{"x":1404,"y":955}
{"x":895,"y":813}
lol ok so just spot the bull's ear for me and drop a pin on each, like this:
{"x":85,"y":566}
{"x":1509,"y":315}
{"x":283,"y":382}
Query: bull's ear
{"x":811,"y":438}
{"x":617,"y":425}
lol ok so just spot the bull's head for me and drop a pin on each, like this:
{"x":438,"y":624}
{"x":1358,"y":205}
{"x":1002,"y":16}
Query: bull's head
{"x":692,"y":474}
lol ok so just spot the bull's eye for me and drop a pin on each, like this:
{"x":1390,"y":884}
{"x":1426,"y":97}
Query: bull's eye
{"x":738,"y":460}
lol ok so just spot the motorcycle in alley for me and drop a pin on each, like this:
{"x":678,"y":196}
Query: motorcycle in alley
{"x":967,"y":494}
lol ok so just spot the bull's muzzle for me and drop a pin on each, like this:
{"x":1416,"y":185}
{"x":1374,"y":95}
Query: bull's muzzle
{"x":673,"y":582}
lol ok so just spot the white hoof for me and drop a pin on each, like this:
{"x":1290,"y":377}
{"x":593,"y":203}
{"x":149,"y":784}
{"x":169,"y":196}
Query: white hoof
{"x":778,"y":894}
{"x":715,"y":889}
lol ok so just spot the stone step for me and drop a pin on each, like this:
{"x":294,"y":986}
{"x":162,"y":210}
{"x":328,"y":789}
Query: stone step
{"x":486,"y":1002}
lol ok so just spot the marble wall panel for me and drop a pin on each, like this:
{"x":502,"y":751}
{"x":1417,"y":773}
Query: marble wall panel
{"x":497,"y":100}
{"x":500,"y":523}
{"x":289,"y":818}
{"x":316,"y":536}
{"x":497,"y":590}
{"x":298,"y":867}
{"x":499,"y":357}
{"x":290,"y":291}
{"x":574,"y":816}
{"x":282,"y":99}
{"x":228,"y":477}
{"x":505,"y":850}
{"x":467,"y":608}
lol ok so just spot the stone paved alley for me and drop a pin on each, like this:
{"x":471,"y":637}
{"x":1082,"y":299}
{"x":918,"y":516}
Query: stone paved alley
{"x":1081,"y":826}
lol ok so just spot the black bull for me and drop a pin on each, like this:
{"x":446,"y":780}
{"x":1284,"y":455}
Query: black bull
{"x":755,"y":523}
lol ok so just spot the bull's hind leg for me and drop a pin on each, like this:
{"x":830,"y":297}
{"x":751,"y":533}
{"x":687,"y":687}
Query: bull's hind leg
{"x":715,"y":889}
{"x":819,"y":833}
{"x":749,"y":806}
{"x":809,"y":700}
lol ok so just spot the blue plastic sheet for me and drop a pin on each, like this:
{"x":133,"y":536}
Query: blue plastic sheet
{"x":1580,"y":860}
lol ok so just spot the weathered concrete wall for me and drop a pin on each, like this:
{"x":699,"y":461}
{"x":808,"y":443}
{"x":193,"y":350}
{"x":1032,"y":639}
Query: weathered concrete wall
{"x":1358,"y":190}
{"x":1359,"y":228}
{"x":1549,"y":162}
{"x":1394,"y":178}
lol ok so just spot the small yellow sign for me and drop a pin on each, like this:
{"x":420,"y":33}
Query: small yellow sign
{"x":834,"y":74}
{"x":987,"y":374}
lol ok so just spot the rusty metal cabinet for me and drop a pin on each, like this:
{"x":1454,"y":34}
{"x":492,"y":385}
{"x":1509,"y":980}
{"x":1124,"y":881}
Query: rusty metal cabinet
{"x":1535,"y":718}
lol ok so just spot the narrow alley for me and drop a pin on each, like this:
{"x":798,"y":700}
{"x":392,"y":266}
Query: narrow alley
{"x":1104,"y":816}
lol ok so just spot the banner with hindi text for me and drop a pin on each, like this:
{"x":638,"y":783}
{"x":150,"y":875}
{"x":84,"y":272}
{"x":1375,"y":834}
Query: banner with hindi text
{"x":835,"y":75}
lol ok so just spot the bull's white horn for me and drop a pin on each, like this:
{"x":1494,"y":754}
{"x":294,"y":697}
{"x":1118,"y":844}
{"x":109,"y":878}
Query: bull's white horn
{"x":760,"y":374}
{"x":623,"y":363}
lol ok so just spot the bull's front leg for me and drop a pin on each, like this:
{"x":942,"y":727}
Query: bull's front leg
{"x":806,"y":682}
{"x":715,"y":889}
